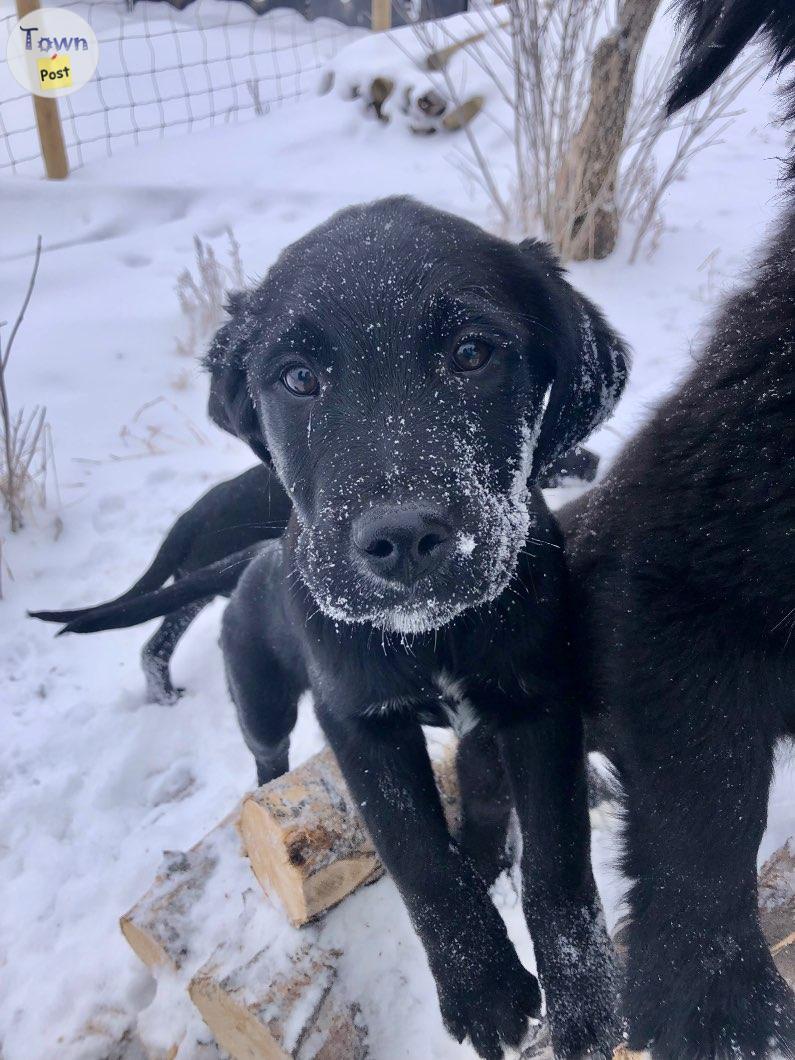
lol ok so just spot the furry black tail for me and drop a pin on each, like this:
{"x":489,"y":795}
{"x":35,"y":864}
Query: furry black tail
{"x":163,"y":566}
{"x":217,"y":578}
{"x":716,"y":33}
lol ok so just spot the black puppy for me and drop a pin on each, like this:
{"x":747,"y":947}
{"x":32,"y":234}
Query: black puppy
{"x":683,"y":561}
{"x":228,"y":518}
{"x":409,"y":377}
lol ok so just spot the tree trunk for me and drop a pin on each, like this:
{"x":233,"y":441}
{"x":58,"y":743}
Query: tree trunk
{"x":586,"y":219}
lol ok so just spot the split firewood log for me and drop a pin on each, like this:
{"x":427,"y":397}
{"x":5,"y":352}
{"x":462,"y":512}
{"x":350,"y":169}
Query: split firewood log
{"x":438,"y":59}
{"x":425,"y":108}
{"x":306,"y":841}
{"x":262,"y":1010}
{"x":464,"y":114}
{"x":284,"y":1001}
{"x":159,"y":927}
{"x":777,"y":908}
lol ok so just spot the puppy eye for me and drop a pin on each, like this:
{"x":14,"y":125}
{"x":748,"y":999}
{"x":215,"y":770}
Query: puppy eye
{"x":471,"y":355}
{"x":301,"y":380}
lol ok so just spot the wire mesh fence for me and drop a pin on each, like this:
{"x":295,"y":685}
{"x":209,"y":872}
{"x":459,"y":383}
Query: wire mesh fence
{"x":163,"y":72}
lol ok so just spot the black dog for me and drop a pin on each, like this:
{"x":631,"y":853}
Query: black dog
{"x":683,"y":562}
{"x":227,"y":519}
{"x":409,"y":376}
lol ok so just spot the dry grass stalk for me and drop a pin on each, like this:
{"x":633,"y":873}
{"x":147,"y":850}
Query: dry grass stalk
{"x":26,"y":450}
{"x":145,"y":437}
{"x":552,"y":48}
{"x":202,"y":298}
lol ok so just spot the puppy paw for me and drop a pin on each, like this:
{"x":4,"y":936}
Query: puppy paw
{"x":728,"y":1001}
{"x":158,"y":686}
{"x":491,"y":1004}
{"x":580,"y":982}
{"x":167,"y":697}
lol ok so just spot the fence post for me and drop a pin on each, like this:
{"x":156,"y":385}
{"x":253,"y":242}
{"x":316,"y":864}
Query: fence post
{"x":48,"y":121}
{"x":381,"y":15}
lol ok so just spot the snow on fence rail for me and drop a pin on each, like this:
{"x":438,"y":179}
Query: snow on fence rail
{"x":164,"y":71}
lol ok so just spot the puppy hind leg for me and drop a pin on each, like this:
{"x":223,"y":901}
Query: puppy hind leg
{"x":156,"y":653}
{"x":485,"y":803}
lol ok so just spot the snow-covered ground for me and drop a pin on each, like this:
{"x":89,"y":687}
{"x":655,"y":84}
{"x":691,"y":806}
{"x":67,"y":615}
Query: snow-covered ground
{"x":95,"y":783}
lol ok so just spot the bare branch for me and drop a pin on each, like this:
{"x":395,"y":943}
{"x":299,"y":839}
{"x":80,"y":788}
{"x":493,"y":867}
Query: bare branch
{"x":25,"y":303}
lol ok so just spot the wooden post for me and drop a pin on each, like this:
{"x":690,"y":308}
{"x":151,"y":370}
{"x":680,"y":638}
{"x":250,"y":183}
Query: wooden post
{"x":48,"y":121}
{"x":381,"y":15}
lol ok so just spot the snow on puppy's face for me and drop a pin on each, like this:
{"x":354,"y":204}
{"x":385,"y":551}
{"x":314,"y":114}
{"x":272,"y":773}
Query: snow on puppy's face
{"x":408,"y":376}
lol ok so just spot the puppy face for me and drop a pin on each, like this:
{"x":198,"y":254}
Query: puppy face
{"x":403,"y":372}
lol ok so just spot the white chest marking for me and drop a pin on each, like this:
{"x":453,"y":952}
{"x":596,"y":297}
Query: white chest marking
{"x":459,"y":710}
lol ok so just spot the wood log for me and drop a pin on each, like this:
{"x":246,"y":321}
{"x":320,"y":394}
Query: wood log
{"x":283,"y":1002}
{"x":381,"y":88}
{"x":158,"y":927}
{"x":295,"y":1014}
{"x":464,"y":114}
{"x":438,"y":59}
{"x":306,"y":841}
{"x":777,"y":908}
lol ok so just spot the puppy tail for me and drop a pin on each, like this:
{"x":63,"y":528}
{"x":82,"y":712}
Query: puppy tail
{"x":162,"y":567}
{"x":718,"y":30}
{"x":217,"y":578}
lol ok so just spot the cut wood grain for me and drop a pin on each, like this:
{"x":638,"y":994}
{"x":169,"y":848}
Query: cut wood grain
{"x":159,"y":927}
{"x":285,"y":1002}
{"x":777,"y":908}
{"x":306,"y":840}
{"x":296,"y":1013}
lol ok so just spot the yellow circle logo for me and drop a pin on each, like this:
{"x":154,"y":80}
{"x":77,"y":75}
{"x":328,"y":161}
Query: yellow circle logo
{"x":52,"y":52}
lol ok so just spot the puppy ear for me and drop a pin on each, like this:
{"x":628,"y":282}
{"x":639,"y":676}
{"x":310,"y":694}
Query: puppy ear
{"x":230,"y":405}
{"x":590,"y":363}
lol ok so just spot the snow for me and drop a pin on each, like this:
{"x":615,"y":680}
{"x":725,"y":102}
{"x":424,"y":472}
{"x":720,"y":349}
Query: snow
{"x":96,"y":783}
{"x":465,"y":544}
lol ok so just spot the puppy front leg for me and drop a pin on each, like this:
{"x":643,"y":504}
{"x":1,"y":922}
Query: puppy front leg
{"x":484,"y":992}
{"x":544,"y":758}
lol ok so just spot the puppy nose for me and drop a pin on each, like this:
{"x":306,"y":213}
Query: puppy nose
{"x":403,"y":543}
